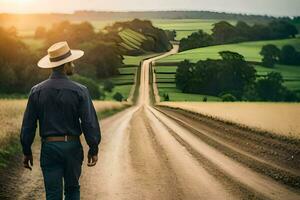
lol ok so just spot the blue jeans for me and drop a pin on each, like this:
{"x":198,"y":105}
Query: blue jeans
{"x":61,"y":162}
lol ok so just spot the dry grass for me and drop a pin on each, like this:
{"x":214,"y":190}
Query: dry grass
{"x":11,"y":114}
{"x":102,"y":106}
{"x":278,"y":118}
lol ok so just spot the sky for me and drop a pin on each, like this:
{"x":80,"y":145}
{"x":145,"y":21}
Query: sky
{"x":262,"y":7}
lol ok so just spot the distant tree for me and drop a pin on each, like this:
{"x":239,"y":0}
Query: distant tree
{"x":228,"y":97}
{"x":105,"y":63}
{"x":166,"y":97}
{"x":289,"y":55}
{"x":270,"y":88}
{"x":118,"y":96}
{"x":223,"y":32}
{"x":183,"y":75}
{"x":260,"y":32}
{"x":40,"y":32}
{"x":171,"y":34}
{"x":75,"y":34}
{"x":231,"y":56}
{"x":270,"y":55}
{"x":195,"y":40}
{"x":204,"y":99}
{"x":282,"y":29}
{"x":12,"y":31}
{"x":108,"y":85}
{"x":18,"y":72}
{"x":243,"y":31}
{"x":232,"y":75}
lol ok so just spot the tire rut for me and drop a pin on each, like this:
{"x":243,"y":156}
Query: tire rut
{"x":255,"y":183}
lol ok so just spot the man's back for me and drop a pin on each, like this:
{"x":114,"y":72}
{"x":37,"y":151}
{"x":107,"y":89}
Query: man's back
{"x":63,"y":107}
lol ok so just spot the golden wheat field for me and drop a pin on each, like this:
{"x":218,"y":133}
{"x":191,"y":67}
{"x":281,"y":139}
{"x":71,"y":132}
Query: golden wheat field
{"x":279,"y":118}
{"x":11,"y":113}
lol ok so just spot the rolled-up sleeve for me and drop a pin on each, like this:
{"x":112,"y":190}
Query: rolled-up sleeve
{"x":89,"y":123}
{"x":29,"y":124}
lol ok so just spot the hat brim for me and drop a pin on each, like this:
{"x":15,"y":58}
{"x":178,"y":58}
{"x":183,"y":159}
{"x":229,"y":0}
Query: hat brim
{"x":45,"y":62}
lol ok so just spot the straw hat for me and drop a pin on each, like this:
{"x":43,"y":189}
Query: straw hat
{"x":58,"y":54}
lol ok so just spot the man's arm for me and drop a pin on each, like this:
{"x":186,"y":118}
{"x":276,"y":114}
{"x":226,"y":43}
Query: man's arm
{"x":90,"y":125}
{"x":28,"y":130}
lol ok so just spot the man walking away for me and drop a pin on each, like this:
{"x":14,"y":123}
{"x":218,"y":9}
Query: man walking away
{"x":64,"y":110}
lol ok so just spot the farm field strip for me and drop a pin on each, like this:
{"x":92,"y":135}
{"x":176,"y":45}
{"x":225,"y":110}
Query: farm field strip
{"x":250,"y":50}
{"x":261,"y":116}
{"x":11,"y":113}
{"x":291,"y":74}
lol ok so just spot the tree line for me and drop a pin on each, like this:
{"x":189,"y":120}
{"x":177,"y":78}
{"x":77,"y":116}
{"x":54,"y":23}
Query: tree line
{"x":223,"y":33}
{"x":231,"y":78}
{"x":103,"y":55}
{"x":272,"y":55}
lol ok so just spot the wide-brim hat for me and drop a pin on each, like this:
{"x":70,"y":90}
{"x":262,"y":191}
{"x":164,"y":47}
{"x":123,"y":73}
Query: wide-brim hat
{"x":59,"y":54}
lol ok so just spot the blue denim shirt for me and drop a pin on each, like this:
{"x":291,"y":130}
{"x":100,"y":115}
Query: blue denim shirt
{"x":62,"y":107}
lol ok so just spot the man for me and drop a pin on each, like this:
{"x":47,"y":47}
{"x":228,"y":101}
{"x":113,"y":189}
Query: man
{"x":64,"y":110}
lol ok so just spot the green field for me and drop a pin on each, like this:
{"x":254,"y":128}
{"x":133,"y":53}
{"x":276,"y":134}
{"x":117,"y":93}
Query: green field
{"x":135,"y":60}
{"x":177,"y":95}
{"x":250,"y":50}
{"x":131,"y":39}
{"x":34,"y":44}
{"x":166,"y":74}
{"x":185,"y":27}
{"x":123,"y":89}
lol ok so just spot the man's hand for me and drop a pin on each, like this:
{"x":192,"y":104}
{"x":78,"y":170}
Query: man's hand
{"x":92,"y":160}
{"x":28,"y":162}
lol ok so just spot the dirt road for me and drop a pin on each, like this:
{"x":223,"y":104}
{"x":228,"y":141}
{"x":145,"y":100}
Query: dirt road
{"x":158,"y":153}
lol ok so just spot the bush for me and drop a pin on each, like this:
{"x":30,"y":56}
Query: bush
{"x":118,"y":97}
{"x":92,"y":86}
{"x":228,"y":97}
{"x":166,"y":97}
{"x":108,"y":86}
{"x":204,"y":99}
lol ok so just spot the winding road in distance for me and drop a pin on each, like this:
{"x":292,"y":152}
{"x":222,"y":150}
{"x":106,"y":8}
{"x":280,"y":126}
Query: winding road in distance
{"x":157,"y":153}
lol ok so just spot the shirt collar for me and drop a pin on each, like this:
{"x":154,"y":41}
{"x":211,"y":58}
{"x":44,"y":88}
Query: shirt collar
{"x":58,"y":75}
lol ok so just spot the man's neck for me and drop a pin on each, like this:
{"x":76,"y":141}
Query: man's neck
{"x":58,"y":74}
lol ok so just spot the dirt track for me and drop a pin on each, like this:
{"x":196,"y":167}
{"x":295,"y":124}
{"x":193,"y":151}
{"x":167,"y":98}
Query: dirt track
{"x":160,"y":153}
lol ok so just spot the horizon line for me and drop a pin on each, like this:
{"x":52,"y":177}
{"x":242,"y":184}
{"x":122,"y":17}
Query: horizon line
{"x":149,"y":10}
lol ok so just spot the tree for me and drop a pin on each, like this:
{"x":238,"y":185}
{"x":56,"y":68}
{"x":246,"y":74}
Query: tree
{"x":166,"y":97}
{"x":18,"y":71}
{"x":183,"y":75}
{"x":232,"y":75}
{"x":75,"y":34}
{"x":243,"y":31}
{"x":105,"y":58}
{"x":282,"y":29}
{"x":195,"y":40}
{"x":228,"y":97}
{"x":223,"y":32}
{"x":171,"y":34}
{"x":289,"y":55}
{"x":270,"y":55}
{"x":108,"y":85}
{"x":270,"y":88}
{"x":118,"y":96}
{"x":231,"y":56}
{"x":260,"y":32}
{"x":40,"y":32}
